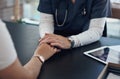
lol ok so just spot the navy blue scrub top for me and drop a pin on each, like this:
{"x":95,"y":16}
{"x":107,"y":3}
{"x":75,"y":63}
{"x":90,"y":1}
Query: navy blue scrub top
{"x":76,"y":21}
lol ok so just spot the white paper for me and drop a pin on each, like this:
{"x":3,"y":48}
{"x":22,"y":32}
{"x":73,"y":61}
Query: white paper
{"x":113,"y":76}
{"x":114,"y":57}
{"x":115,"y":47}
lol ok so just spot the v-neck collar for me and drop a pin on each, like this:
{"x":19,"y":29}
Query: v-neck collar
{"x":73,"y":2}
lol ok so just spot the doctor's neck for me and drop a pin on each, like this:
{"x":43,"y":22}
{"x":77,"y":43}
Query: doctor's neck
{"x":73,"y":1}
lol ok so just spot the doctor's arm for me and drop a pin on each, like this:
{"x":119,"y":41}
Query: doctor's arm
{"x":46,"y":24}
{"x":93,"y":34}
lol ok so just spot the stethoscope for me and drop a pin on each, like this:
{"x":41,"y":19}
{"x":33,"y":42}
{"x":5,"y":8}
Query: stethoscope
{"x":84,"y":12}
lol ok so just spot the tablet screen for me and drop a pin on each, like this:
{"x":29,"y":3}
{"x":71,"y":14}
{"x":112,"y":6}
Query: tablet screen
{"x":105,"y":55}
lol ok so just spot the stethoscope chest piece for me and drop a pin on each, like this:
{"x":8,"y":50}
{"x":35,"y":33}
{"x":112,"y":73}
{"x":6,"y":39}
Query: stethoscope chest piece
{"x":84,"y":12}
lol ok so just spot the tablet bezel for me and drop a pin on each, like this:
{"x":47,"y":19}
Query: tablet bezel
{"x":93,"y":50}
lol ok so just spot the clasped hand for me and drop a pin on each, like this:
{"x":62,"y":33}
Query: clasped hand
{"x":57,"y":41}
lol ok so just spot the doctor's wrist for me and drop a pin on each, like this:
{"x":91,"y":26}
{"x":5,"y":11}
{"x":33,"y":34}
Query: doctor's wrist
{"x":72,"y":42}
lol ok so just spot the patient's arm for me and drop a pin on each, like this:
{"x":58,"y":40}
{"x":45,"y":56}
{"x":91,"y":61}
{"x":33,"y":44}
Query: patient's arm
{"x":31,"y":69}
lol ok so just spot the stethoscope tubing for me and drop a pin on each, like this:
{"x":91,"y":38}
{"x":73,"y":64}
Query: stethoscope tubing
{"x":84,"y":12}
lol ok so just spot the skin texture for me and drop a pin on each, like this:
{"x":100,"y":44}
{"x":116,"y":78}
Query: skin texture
{"x":73,"y":1}
{"x":56,"y":41}
{"x":32,"y":68}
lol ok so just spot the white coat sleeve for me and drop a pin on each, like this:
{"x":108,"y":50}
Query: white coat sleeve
{"x":94,"y":33}
{"x":46,"y":24}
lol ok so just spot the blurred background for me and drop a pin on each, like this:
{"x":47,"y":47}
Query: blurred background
{"x":9,"y":9}
{"x":26,"y":11}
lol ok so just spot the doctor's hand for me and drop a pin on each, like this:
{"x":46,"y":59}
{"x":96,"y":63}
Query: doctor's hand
{"x":56,"y":41}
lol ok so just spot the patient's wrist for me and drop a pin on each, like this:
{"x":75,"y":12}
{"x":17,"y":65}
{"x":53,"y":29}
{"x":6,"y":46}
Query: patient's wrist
{"x":40,"y":57}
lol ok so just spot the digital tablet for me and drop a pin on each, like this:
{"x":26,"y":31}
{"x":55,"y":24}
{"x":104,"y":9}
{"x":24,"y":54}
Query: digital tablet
{"x":104,"y":54}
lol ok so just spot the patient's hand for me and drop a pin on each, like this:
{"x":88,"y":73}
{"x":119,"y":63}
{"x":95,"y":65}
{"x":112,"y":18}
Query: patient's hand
{"x":45,"y":50}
